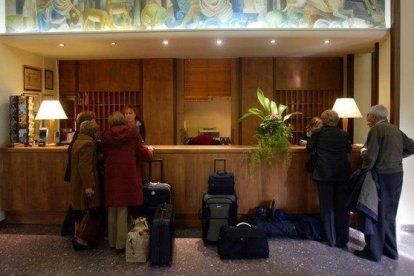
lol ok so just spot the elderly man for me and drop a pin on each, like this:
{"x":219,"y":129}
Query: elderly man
{"x":387,"y":145}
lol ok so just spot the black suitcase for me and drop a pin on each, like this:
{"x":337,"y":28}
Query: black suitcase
{"x":155,"y":193}
{"x":221,"y":182}
{"x":217,"y":211}
{"x":242,"y":242}
{"x":161,"y":239}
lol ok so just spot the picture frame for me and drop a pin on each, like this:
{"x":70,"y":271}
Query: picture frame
{"x":49,"y":79}
{"x":32,"y":78}
{"x":36,"y":100}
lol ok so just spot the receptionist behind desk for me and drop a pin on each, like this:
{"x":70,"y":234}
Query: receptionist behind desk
{"x":131,"y":115}
{"x":313,"y":124}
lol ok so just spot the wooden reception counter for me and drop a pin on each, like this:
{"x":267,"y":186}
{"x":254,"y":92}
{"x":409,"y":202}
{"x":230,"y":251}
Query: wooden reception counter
{"x":33,"y":190}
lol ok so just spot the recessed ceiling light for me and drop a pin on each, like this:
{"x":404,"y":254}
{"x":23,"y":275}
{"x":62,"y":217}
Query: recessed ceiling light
{"x":219,"y":42}
{"x":165,"y":42}
{"x":327,"y":41}
{"x":113,"y":43}
{"x":273,"y":41}
{"x":61,"y":45}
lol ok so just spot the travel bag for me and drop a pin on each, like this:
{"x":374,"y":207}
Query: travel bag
{"x":217,"y":211}
{"x":155,"y":193}
{"x":137,"y":242}
{"x":242,"y":241}
{"x":162,"y":235}
{"x":221,"y":182}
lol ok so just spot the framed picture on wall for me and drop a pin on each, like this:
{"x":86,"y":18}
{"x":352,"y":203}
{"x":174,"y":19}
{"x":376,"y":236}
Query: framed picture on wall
{"x":32,"y":78}
{"x":49,"y":79}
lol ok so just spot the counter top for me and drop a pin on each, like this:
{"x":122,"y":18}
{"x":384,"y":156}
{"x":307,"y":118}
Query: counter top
{"x":166,"y":148}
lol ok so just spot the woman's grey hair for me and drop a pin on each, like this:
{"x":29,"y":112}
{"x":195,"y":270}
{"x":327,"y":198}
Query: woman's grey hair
{"x":330,"y":117}
{"x":117,"y":119}
{"x":89,"y":127}
{"x":379,"y":111}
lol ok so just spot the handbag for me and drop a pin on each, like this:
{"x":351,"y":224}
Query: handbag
{"x":88,"y":229}
{"x":243,"y":241}
{"x":138,"y":242}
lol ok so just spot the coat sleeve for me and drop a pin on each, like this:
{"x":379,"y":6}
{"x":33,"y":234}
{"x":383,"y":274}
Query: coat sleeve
{"x":408,"y":145}
{"x":143,"y":153}
{"x":373,"y":148}
{"x":87,"y":165}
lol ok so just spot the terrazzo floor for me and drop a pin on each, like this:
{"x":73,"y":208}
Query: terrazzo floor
{"x":40,"y":250}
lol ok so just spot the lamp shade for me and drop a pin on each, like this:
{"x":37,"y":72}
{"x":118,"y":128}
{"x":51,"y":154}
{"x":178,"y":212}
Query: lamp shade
{"x":50,"y":109}
{"x":346,"y":108}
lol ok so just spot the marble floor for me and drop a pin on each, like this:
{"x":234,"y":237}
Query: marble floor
{"x":40,"y":250}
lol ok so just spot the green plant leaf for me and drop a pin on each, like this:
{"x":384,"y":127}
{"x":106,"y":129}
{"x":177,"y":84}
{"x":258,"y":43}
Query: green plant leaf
{"x":281,"y":109}
{"x":290,"y":115}
{"x":257,"y":112}
{"x":273,"y":107}
{"x":264,"y":101}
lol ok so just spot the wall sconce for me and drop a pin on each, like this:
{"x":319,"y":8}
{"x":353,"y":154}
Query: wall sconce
{"x":346,"y":108}
{"x":51,"y":110}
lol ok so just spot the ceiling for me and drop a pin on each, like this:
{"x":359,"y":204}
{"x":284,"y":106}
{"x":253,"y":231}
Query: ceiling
{"x":197,"y":44}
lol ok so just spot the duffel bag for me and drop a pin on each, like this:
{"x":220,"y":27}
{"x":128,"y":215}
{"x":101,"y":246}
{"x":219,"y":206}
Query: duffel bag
{"x":242,"y":241}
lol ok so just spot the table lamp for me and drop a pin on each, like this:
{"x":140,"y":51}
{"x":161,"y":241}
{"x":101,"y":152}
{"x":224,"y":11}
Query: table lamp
{"x":346,"y":108}
{"x":51,"y":110}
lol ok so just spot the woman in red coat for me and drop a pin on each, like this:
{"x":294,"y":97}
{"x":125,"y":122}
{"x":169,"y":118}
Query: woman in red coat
{"x":123,"y":149}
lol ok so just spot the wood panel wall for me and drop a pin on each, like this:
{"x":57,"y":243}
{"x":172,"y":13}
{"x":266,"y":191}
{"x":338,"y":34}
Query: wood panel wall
{"x":255,"y":73}
{"x":159,"y":101}
{"x":109,"y":75}
{"x":207,"y":77}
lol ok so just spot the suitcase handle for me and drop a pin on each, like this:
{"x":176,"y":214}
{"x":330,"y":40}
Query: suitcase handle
{"x":161,"y":168}
{"x":215,"y":165}
{"x":243,"y":223}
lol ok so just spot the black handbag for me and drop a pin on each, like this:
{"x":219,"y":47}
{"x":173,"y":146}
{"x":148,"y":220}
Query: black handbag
{"x":243,"y":241}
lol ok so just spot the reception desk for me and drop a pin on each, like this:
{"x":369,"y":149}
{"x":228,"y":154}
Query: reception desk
{"x":33,"y":190}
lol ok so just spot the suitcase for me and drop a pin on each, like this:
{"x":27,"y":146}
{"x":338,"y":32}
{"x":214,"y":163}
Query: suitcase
{"x":155,"y":193}
{"x":221,"y":182}
{"x":161,"y":239}
{"x":217,"y":211}
{"x":242,"y":242}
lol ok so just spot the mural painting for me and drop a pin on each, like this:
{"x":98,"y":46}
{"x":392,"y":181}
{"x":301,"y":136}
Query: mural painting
{"x":25,"y":16}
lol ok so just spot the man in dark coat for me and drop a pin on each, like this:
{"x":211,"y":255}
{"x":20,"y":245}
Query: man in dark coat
{"x":332,"y":170}
{"x":386,"y":146}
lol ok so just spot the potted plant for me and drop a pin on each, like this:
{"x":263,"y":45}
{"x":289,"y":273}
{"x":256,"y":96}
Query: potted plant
{"x":273,"y":133}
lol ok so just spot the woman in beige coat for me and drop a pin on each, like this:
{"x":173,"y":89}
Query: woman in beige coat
{"x":84,"y":177}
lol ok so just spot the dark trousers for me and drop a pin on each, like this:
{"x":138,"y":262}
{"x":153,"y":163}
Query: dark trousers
{"x":384,"y":238}
{"x":334,"y":214}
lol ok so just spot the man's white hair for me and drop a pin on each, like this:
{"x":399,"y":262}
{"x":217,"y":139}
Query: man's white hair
{"x":379,"y":111}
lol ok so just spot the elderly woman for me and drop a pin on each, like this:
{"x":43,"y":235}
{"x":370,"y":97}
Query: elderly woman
{"x":84,"y":177}
{"x":123,"y":148}
{"x":332,"y":170}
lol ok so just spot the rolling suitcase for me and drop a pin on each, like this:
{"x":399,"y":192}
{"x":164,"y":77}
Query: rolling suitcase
{"x":155,"y":193}
{"x":161,"y":239}
{"x":221,"y":182}
{"x":217,"y":211}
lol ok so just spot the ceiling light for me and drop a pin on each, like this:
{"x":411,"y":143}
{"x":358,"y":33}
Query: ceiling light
{"x":327,"y":41}
{"x":113,"y":43}
{"x":273,"y":41}
{"x":165,"y":42}
{"x":219,"y":42}
{"x":61,"y":45}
